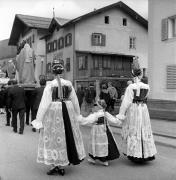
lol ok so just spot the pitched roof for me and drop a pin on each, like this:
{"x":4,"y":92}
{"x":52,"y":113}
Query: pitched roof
{"x":23,"y":22}
{"x":120,"y":5}
{"x":59,"y":22}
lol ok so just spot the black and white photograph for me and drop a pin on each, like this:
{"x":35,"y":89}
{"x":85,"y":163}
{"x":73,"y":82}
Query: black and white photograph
{"x":88,"y":89}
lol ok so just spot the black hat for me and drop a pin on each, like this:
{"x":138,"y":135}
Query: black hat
{"x":58,"y":66}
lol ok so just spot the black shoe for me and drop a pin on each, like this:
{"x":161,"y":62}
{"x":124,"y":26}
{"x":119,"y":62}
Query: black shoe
{"x":53,"y":171}
{"x":27,"y":123}
{"x":33,"y":129}
{"x":14,"y":130}
{"x":7,"y":124}
{"x":62,"y":172}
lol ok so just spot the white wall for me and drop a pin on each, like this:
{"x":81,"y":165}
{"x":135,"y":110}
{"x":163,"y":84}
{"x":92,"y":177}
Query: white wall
{"x":117,"y":35}
{"x":161,"y":53}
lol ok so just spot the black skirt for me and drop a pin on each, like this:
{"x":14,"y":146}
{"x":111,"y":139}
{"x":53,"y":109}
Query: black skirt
{"x":70,"y":142}
{"x":113,"y":152}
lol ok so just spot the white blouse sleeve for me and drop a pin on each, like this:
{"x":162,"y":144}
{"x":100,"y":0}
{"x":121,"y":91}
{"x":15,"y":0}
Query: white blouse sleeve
{"x":91,"y":118}
{"x":112,"y":119}
{"x":127,"y":100}
{"x":45,"y":102}
{"x":74,"y":101}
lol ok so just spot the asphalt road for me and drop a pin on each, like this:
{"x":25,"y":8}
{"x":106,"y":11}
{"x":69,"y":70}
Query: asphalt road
{"x":18,"y":161}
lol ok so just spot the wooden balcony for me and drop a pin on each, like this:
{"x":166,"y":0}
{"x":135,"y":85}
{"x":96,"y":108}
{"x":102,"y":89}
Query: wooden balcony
{"x":109,"y":73}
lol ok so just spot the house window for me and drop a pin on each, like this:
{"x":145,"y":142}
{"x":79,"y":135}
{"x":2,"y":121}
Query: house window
{"x":49,"y":48}
{"x":68,"y":40}
{"x":82,"y":62}
{"x":171,"y":77}
{"x":98,"y":39}
{"x":106,"y":19}
{"x":124,"y":22}
{"x":68,"y":64}
{"x":168,"y":28}
{"x":55,"y":45}
{"x":132,"y":42}
{"x":60,"y":43}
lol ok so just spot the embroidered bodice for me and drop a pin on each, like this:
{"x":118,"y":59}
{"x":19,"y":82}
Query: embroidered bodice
{"x":142,"y":96}
{"x":66,"y":90}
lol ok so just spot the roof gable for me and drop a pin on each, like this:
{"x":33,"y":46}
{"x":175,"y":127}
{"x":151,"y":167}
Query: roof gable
{"x":22,"y":22}
{"x":57,"y":22}
{"x":120,"y":5}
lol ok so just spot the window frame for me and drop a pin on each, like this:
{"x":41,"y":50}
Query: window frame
{"x":83,"y":62}
{"x":106,"y":19}
{"x":132,"y":42}
{"x":60,"y":45}
{"x":98,"y":39}
{"x":68,"y":40}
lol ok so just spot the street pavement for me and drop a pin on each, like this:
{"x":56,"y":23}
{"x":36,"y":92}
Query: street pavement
{"x":18,"y":161}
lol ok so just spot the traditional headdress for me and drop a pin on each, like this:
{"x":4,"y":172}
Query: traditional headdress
{"x":136,"y":71}
{"x":58,"y":66}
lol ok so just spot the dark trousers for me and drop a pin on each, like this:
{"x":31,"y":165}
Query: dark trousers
{"x":111,"y":103}
{"x":8,"y":115}
{"x":28,"y":110}
{"x":34,"y":113}
{"x":21,"y":117}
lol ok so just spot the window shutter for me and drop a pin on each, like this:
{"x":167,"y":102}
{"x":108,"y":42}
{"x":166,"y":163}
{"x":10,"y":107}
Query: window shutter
{"x":164,"y":29}
{"x":92,"y":39}
{"x":171,"y":77}
{"x":70,"y":39}
{"x":103,"y":43}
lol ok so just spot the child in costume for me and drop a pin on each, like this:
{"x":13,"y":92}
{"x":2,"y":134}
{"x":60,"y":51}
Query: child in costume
{"x":102,"y":145}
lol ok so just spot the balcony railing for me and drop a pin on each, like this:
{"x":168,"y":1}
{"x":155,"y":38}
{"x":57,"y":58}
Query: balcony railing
{"x":110,"y":73}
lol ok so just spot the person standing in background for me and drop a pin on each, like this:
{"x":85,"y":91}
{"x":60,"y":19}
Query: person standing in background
{"x":37,"y":95}
{"x":80,"y":95}
{"x":113,"y":95}
{"x":7,"y":109}
{"x":16,"y":101}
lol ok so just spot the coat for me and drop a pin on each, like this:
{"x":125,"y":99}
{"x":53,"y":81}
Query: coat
{"x":16,"y":98}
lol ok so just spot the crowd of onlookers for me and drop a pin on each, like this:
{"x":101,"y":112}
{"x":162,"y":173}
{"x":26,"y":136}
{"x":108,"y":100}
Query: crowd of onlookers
{"x":88,"y":96}
{"x":16,"y":101}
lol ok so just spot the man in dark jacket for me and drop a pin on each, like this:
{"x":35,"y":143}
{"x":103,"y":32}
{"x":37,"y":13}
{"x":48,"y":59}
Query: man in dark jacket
{"x":16,"y":101}
{"x":7,"y":109}
{"x":37,"y":95}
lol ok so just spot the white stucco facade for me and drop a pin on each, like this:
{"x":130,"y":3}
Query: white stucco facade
{"x":117,"y":35}
{"x":161,"y":52}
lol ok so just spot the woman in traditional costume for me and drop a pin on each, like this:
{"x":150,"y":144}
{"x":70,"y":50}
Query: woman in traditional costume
{"x":137,"y":138}
{"x":60,"y":141}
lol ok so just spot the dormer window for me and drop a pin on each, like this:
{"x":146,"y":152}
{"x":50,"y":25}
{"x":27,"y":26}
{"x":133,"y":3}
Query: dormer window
{"x":106,"y":19}
{"x":124,"y":22}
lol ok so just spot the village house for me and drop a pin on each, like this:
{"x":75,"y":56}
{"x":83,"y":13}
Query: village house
{"x":31,"y":29}
{"x":99,"y":45}
{"x":162,"y":48}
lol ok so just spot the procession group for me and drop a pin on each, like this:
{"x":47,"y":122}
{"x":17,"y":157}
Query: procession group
{"x":59,"y":120}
